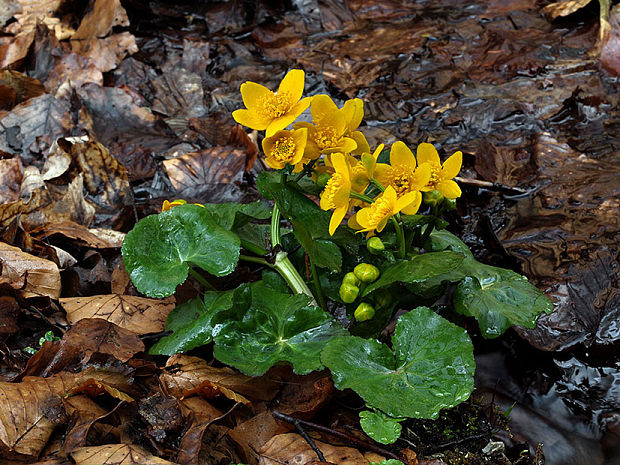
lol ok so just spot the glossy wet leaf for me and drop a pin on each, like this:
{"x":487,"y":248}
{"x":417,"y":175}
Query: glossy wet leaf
{"x":499,"y":299}
{"x":158,"y":251}
{"x":191,"y":323}
{"x":231,"y":214}
{"x":418,"y":268}
{"x":430,"y":367}
{"x":276,"y":328}
{"x":380,"y":427}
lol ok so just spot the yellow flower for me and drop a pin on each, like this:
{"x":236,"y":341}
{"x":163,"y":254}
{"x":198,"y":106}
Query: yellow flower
{"x":336,"y":192}
{"x":272,"y":111}
{"x":285,"y":147}
{"x":441,"y":175}
{"x":404,"y":176}
{"x":354,"y":113}
{"x":377,"y":214}
{"x":326,"y":133}
{"x":175,"y":203}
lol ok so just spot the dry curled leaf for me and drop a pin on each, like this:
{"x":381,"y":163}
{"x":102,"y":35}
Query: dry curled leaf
{"x":32,"y":276}
{"x":185,"y":376}
{"x":27,"y":407}
{"x":138,"y":314}
{"x":116,"y":454}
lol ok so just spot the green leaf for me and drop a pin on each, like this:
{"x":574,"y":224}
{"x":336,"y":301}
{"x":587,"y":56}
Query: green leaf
{"x":431,"y":366}
{"x":442,"y":240}
{"x":499,"y":299}
{"x":157,"y":252}
{"x":381,"y":427}
{"x":276,"y":328}
{"x":191,"y":323}
{"x":238,"y":214}
{"x":418,"y":268}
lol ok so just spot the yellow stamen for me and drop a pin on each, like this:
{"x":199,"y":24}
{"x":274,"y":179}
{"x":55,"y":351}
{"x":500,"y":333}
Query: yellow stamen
{"x":326,"y":138}
{"x":381,"y":208}
{"x":331,"y":188}
{"x":275,"y":105}
{"x":283,"y":149}
{"x":402,"y":182}
{"x":435,"y":170}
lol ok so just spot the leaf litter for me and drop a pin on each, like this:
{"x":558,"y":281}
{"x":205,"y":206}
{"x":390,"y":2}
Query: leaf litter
{"x":108,"y":108}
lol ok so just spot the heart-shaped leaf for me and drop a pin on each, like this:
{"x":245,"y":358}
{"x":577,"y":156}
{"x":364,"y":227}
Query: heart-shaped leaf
{"x":380,"y":427}
{"x":230,"y":213}
{"x":276,"y":328}
{"x":191,"y":324}
{"x":499,"y":299}
{"x":431,"y":366}
{"x":418,"y":268}
{"x":158,"y":251}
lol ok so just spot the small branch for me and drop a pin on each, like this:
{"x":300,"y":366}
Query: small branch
{"x":333,"y":432}
{"x":298,"y":424}
{"x":496,"y":186}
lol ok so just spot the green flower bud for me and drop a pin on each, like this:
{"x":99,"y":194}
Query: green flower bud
{"x":366,"y":273}
{"x":322,"y":180}
{"x":348,"y":293}
{"x":433,"y":198}
{"x":351,"y":279}
{"x":450,"y":204}
{"x":375,"y":245}
{"x":383,"y":298}
{"x":364,"y":312}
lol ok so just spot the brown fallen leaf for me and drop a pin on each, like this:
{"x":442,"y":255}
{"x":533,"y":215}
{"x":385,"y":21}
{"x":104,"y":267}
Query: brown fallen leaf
{"x":610,"y":52}
{"x":23,"y":87}
{"x":83,"y":412}
{"x":564,"y":8}
{"x":291,"y":448}
{"x":202,"y":415}
{"x":251,"y":435}
{"x":302,"y":396}
{"x":31,"y":276}
{"x":116,"y":454}
{"x":78,"y":344}
{"x":178,"y":93}
{"x":9,"y":310}
{"x":26,"y":422}
{"x":186,"y":375}
{"x":138,"y":314}
{"x":10,"y":179}
{"x":71,"y":230}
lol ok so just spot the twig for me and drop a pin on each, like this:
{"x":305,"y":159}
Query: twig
{"x":297,"y":423}
{"x":339,"y":434}
{"x":497,"y":186}
{"x":457,"y":442}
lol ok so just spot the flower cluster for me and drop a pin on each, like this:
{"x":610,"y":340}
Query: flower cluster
{"x":331,"y":143}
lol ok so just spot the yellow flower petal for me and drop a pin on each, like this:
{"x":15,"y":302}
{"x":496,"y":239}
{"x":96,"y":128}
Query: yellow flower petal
{"x":353,"y":224}
{"x":427,"y":153}
{"x":401,"y":155}
{"x":340,"y":164}
{"x":250,"y":119}
{"x":346,"y":145}
{"x":383,"y":173}
{"x":360,"y":140}
{"x":421,"y":176}
{"x":452,"y":166}
{"x":354,"y":111}
{"x":293,"y":83}
{"x":279,"y":124}
{"x":449,"y":189}
{"x":252,"y":93}
{"x":337,"y":217}
{"x":412,"y":201}
{"x":323,"y":109}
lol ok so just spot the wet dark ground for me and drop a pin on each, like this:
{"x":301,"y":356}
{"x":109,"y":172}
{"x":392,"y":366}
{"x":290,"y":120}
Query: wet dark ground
{"x":528,"y":105}
{"x":523,"y":98}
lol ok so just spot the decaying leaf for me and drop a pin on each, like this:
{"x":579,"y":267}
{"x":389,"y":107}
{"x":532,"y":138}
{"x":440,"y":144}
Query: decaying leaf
{"x":564,"y":8}
{"x":185,"y":376}
{"x":116,"y":454}
{"x":138,"y":314}
{"x":76,"y":232}
{"x":250,"y":436}
{"x":26,"y":421}
{"x":84,"y":412}
{"x":32,"y":276}
{"x":291,"y":448}
{"x":10,"y":179}
{"x":178,"y":92}
{"x":203,"y":415}
{"x":9,"y":309}
{"x":23,"y":87}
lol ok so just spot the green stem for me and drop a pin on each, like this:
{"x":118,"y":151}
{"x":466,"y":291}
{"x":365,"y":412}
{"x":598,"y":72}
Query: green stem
{"x":255,"y":249}
{"x":365,"y":198}
{"x":427,"y":232}
{"x":377,"y":184}
{"x":320,"y":296}
{"x":249,"y":258}
{"x":198,"y":277}
{"x":282,"y":264}
{"x":307,"y":169}
{"x":400,"y":237}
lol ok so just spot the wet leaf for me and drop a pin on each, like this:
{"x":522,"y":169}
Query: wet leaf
{"x":564,"y":8}
{"x":95,"y":238}
{"x":32,"y":276}
{"x":9,"y":310}
{"x":137,"y":314}
{"x":228,"y":214}
{"x":178,"y":92}
{"x":380,"y":427}
{"x":191,"y":323}
{"x":253,"y":434}
{"x":276,"y":328}
{"x":84,"y":412}
{"x":116,"y":454}
{"x":158,"y":251}
{"x":186,"y":376}
{"x":498,"y":299}
{"x":419,"y":268}
{"x":292,"y":448}
{"x":11,"y":179}
{"x":431,"y":366}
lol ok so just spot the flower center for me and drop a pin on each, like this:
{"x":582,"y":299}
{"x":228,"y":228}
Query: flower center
{"x":335,"y":183}
{"x":379,"y":210}
{"x":326,"y":137}
{"x":435,"y":170}
{"x":284,"y":149}
{"x":402,"y":181}
{"x":275,"y":105}
{"x":359,"y":177}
